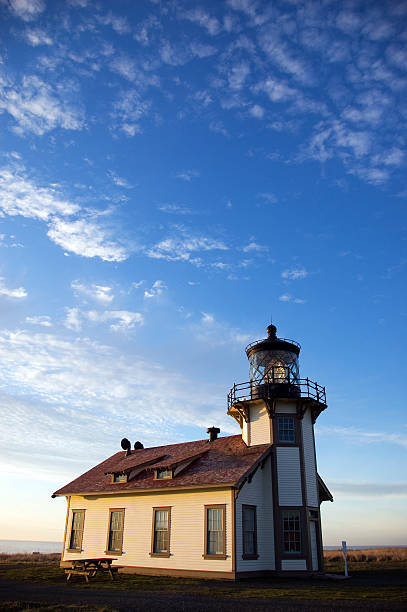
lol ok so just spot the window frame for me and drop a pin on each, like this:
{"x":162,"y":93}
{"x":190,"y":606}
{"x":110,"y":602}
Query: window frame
{"x":245,"y":555}
{"x":295,"y":422}
{"x":207,"y":555}
{"x":168,"y":552}
{"x":79,"y":549}
{"x":114,"y":474}
{"x":301,"y":552}
{"x":119,"y":551}
{"x":170,"y":470}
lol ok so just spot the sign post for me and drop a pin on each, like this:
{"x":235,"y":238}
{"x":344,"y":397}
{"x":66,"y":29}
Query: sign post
{"x":344,"y":550}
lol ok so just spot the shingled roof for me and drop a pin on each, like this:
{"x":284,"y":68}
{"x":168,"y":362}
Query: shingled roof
{"x":224,"y":461}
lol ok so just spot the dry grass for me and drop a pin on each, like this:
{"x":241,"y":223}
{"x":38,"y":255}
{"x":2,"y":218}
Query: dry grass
{"x":372,"y":555}
{"x":36,"y":558}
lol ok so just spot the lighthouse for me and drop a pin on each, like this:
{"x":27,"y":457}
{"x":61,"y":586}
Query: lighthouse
{"x":277,"y":406}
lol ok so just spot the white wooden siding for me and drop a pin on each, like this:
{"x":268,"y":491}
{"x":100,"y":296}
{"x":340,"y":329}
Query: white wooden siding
{"x":293,"y":564}
{"x":186,"y":535}
{"x":309,"y":460}
{"x":245,"y":433}
{"x":257,"y":493}
{"x":289,"y":476}
{"x":286,"y":407}
{"x":259,"y":425}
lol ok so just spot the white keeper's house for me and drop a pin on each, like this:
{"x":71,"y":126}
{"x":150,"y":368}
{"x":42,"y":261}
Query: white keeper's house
{"x":222,"y":507}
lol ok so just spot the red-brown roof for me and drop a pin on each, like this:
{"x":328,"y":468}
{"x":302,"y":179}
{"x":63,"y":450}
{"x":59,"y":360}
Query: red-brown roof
{"x":224,"y":461}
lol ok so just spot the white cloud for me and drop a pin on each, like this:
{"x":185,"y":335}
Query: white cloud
{"x":257,"y":111}
{"x":42,"y":320}
{"x":202,"y":18}
{"x":36,"y":37}
{"x":175,"y":209}
{"x":37,"y":108}
{"x":20,"y":196}
{"x":119,"y":180}
{"x":353,"y":434}
{"x":207,"y":319}
{"x":85,"y":238}
{"x":269,"y":197}
{"x":201,"y":50}
{"x":254,"y":247}
{"x":238,"y":74}
{"x":25,"y":9}
{"x":100,"y":293}
{"x":286,"y":297}
{"x":123,"y":320}
{"x":156,"y":290}
{"x":294,"y":273}
{"x":119,"y":23}
{"x":187,"y":175}
{"x":72,"y":320}
{"x":128,"y":111}
{"x":181,"y":248}
{"x":18,"y":292}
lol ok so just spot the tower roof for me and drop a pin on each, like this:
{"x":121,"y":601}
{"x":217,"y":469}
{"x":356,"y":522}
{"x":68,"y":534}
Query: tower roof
{"x":272,"y":342}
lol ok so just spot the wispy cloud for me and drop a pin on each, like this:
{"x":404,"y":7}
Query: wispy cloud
{"x":368,"y":489}
{"x":27,"y":10}
{"x":176,"y":209}
{"x":184,"y":248}
{"x":119,"y":180}
{"x":18,"y":292}
{"x":36,"y":107}
{"x":121,"y":320}
{"x":157,"y":289}
{"x":100,"y":293}
{"x":294,"y":273}
{"x":187,"y":175}
{"x":202,"y":18}
{"x":287,"y":297}
{"x":36,"y":37}
{"x":355,"y":435}
{"x":21,"y":196}
{"x":254,"y":247}
{"x":42,"y":320}
{"x":87,"y":239}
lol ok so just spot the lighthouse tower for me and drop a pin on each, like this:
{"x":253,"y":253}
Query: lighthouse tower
{"x":278,"y":407}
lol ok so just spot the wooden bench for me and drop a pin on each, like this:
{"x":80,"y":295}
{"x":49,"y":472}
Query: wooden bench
{"x":90,"y":572}
{"x":79,"y":572}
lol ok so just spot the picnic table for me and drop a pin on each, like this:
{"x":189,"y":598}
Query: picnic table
{"x":90,"y":567}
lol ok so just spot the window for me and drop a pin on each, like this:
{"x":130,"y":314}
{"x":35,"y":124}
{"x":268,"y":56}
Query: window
{"x":249,"y":532}
{"x":160,"y":544}
{"x":215,"y":532}
{"x":75,"y":540}
{"x":118,"y":477}
{"x":292,"y":531}
{"x":115,"y":532}
{"x":286,"y":429}
{"x":163,"y":473}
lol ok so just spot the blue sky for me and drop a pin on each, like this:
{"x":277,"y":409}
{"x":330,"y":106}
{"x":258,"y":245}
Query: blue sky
{"x":171,"y":175}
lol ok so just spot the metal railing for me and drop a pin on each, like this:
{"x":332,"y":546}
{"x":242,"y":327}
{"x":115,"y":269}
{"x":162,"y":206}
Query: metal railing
{"x":276,"y":339}
{"x":276,"y":386}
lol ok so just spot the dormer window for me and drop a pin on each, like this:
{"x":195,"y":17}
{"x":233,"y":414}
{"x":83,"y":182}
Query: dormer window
{"x":162,"y":473}
{"x":119,"y":477}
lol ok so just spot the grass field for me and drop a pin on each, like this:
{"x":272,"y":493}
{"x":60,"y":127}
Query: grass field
{"x":378,"y":578}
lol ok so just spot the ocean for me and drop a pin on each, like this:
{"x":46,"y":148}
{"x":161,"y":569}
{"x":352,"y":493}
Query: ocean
{"x":30,"y":546}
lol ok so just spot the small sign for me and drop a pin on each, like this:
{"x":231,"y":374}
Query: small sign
{"x":344,"y":547}
{"x":345,"y":550}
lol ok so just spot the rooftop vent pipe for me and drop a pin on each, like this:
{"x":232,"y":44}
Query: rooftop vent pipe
{"x":126,"y":446}
{"x":138,"y":445}
{"x":213,"y":433}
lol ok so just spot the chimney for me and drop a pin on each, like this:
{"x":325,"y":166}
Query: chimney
{"x":213,"y":433}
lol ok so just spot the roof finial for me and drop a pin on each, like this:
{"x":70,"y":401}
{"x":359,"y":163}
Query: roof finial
{"x":272,"y":331}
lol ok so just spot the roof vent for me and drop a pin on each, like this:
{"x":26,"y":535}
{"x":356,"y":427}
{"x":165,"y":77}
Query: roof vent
{"x":138,"y":445}
{"x":126,"y":445}
{"x":213,"y":433}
